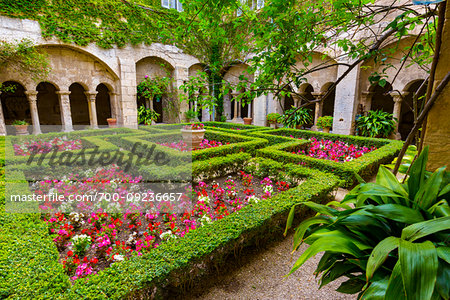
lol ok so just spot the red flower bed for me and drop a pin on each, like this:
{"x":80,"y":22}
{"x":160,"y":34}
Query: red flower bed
{"x":90,"y":239}
{"x":182,"y":146}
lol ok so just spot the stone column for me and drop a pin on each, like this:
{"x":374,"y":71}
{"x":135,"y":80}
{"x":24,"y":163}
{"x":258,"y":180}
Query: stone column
{"x":32,"y":99}
{"x":113,"y":98}
{"x":127,"y":91}
{"x":297,"y":99}
{"x":92,"y":109}
{"x":66,"y":115}
{"x":346,"y":101}
{"x":236,"y":108}
{"x":398,"y":98}
{"x":366,"y":100}
{"x":2,"y":121}
{"x":249,"y":110}
{"x":318,"y":110}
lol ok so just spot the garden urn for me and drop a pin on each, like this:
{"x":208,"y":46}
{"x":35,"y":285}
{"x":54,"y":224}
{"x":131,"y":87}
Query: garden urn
{"x":326,"y":129}
{"x":248,"y":121}
{"x":193,"y":137}
{"x":112,"y":122}
{"x":21,"y":129}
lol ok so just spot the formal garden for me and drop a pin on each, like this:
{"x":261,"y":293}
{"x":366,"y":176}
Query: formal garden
{"x":241,"y":184}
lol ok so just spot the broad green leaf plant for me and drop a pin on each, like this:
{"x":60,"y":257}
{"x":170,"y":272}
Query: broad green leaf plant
{"x":390,"y":240}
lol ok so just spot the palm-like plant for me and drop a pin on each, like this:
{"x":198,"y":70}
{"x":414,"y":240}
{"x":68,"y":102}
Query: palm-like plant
{"x":391,"y":240}
{"x":376,"y":124}
{"x":296,"y":117}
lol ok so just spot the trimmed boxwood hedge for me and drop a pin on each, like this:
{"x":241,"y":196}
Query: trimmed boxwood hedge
{"x":365,"y":166}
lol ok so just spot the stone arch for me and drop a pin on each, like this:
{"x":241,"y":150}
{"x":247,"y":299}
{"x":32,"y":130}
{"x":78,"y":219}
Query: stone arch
{"x":328,"y":102}
{"x":66,"y":62}
{"x":103,"y":104}
{"x":328,"y":70}
{"x":48,"y":107}
{"x":152,"y":67}
{"x":396,"y":50}
{"x":79,"y":106}
{"x":15,"y":104}
{"x":381,"y":98}
{"x":406,"y":113}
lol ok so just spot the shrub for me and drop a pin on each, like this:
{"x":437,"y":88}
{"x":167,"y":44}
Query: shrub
{"x":376,"y":124}
{"x":20,"y":122}
{"x":146,"y":115}
{"x":394,"y":243}
{"x":273,"y":117}
{"x":325,"y":122}
{"x":297,"y":117}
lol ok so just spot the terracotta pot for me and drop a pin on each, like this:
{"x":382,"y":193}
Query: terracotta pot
{"x":248,"y":121}
{"x":326,"y":129}
{"x":193,"y":138}
{"x":273,"y":125}
{"x":112,"y":122}
{"x":21,"y":129}
{"x":298,"y":126}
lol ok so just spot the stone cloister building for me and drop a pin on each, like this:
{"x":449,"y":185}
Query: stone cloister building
{"x":89,"y":84}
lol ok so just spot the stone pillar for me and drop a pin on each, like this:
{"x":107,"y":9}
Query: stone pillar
{"x":66,"y":115}
{"x":249,"y":110}
{"x":127,"y":90}
{"x":236,"y":104}
{"x":114,"y":98}
{"x":92,"y":109}
{"x":2,"y":121}
{"x":32,"y":99}
{"x":297,"y":99}
{"x":318,"y":110}
{"x":180,"y":76}
{"x":366,"y":100}
{"x":346,"y":101}
{"x":398,"y":98}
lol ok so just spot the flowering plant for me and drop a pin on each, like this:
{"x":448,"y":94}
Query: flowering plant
{"x":40,"y":146}
{"x":195,"y":126}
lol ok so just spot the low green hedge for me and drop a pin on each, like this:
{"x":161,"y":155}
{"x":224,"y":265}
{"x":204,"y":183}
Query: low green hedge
{"x":365,"y":166}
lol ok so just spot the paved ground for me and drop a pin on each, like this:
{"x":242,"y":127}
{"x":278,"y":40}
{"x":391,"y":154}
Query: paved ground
{"x":260,"y":273}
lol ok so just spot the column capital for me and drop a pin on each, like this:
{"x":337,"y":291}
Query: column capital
{"x":63,"y":92}
{"x":31,"y":93}
{"x":91,"y":95}
{"x":398,"y":96}
{"x":367,"y":94}
{"x":113,"y":94}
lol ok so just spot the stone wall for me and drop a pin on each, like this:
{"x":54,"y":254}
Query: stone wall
{"x":437,"y":135}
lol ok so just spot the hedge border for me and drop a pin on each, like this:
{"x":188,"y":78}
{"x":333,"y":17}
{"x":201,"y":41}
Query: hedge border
{"x":364,"y":166}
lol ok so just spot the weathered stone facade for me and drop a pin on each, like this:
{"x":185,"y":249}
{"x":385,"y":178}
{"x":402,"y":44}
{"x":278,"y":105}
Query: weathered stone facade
{"x":89,"y":84}
{"x":437,"y":135}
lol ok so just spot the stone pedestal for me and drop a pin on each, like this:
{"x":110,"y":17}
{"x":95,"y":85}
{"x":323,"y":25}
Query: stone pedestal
{"x":32,"y":99}
{"x":66,"y":115}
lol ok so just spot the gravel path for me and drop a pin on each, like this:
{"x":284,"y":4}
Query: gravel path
{"x":260,"y":274}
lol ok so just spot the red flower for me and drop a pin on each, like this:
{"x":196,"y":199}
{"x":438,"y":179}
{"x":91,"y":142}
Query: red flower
{"x":70,"y":253}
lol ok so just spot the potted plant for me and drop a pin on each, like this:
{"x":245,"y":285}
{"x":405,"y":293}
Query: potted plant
{"x":191,"y":115}
{"x":193,"y":134}
{"x":297,"y":117}
{"x":376,"y":124}
{"x":248,"y":121}
{"x":21,"y":127}
{"x":325,"y":123}
{"x":147,"y":116}
{"x":273,"y":118}
{"x":112,"y":122}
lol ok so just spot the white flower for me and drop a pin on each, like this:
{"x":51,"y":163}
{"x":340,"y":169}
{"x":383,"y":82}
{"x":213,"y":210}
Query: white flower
{"x":118,"y":257}
{"x":205,"y":220}
{"x":253,"y":199}
{"x":268,"y":189}
{"x":204,"y":199}
{"x":167,"y":235}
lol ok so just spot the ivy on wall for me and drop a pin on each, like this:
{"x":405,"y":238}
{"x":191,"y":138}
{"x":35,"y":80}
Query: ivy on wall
{"x":104,"y":22}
